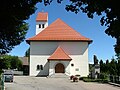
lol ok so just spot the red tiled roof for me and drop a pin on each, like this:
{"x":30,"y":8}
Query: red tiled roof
{"x":42,"y":16}
{"x":59,"y":31}
{"x":59,"y":54}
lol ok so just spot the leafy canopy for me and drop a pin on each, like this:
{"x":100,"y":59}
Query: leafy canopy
{"x":10,"y":62}
{"x":13,"y":28}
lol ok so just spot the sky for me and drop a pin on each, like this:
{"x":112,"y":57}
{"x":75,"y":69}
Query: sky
{"x":102,"y":45}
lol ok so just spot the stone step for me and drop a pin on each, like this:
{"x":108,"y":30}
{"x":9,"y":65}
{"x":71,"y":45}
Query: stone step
{"x":59,"y":75}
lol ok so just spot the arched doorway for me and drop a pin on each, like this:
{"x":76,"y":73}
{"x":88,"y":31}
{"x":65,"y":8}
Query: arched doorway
{"x":59,"y":68}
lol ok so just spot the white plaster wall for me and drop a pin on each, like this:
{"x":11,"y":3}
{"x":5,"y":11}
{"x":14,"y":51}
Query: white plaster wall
{"x":38,"y":30}
{"x":78,"y":51}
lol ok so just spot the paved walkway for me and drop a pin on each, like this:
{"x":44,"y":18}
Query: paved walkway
{"x":42,"y":83}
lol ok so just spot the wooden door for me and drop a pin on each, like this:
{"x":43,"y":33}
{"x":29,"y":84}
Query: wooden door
{"x":59,"y":68}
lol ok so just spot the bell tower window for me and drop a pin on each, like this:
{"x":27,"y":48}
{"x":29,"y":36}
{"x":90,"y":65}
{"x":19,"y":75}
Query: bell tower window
{"x":39,"y":25}
{"x":43,"y":25}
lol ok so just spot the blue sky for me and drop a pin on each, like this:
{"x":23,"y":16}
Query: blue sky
{"x":102,"y":45}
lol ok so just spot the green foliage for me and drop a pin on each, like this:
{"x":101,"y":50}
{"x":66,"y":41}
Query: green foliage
{"x":103,"y":76}
{"x":118,"y":68}
{"x":90,"y":67}
{"x":102,"y":67}
{"x":10,"y":62}
{"x":112,"y":67}
{"x":100,"y":80}
{"x":14,"y":28}
{"x":95,"y":60}
{"x":95,"y":80}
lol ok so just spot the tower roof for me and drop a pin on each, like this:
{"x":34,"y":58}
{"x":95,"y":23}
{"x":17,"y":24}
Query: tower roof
{"x":59,"y":31}
{"x":59,"y":54}
{"x":42,"y":16}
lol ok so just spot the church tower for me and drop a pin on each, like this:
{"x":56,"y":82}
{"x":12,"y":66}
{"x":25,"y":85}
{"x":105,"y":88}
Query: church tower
{"x":41,"y":21}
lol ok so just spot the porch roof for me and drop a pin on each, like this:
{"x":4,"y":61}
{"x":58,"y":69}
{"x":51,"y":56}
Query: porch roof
{"x":60,"y":54}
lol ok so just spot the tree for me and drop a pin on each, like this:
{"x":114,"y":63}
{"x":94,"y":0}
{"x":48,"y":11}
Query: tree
{"x":107,"y":66}
{"x":11,"y":62}
{"x":118,"y":68}
{"x":95,"y":60}
{"x":15,"y":63}
{"x":13,"y":27}
{"x":101,"y":66}
{"x":113,"y":67}
{"x":4,"y":63}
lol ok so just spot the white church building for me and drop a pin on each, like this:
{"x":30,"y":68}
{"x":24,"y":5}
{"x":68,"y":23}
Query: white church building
{"x":57,"y":48}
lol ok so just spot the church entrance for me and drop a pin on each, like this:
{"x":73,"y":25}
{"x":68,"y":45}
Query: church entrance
{"x":59,"y":68}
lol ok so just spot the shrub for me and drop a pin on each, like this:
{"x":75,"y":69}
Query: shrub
{"x":103,"y":76}
{"x":95,"y":80}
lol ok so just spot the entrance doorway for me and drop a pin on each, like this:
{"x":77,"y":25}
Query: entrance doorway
{"x":59,"y":68}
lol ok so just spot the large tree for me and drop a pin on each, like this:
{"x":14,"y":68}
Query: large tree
{"x":11,"y":62}
{"x":13,"y":27}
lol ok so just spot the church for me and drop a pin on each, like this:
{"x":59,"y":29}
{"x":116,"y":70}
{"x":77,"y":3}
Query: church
{"x":57,"y":48}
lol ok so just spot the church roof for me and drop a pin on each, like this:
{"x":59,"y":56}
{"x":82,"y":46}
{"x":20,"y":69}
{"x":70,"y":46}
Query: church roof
{"x":59,"y":31}
{"x":42,"y":16}
{"x":59,"y":54}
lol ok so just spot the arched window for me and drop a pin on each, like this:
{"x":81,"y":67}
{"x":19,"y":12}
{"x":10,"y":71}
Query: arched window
{"x":43,"y":25}
{"x":38,"y":67}
{"x":39,"y":25}
{"x":41,"y":67}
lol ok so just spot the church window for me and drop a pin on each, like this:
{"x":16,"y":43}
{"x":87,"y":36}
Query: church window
{"x":38,"y":67}
{"x":43,"y":25}
{"x":41,"y":67}
{"x":39,"y":25}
